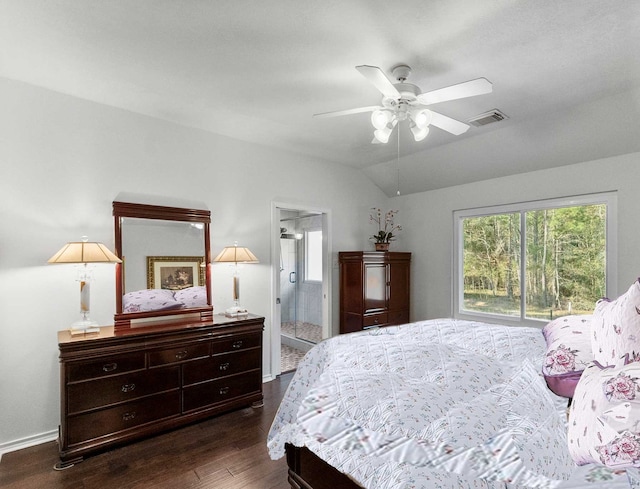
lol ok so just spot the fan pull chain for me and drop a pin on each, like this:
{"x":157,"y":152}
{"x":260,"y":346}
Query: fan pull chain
{"x":398,"y":166}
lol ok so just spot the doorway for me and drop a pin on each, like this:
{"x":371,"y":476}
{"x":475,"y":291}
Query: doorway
{"x":301,"y":284}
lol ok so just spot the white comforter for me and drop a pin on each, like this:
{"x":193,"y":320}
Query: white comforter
{"x":435,"y":404}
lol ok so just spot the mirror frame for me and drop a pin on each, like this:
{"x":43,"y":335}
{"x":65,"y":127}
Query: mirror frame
{"x":122,"y":321}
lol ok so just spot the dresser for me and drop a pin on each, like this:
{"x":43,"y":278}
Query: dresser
{"x":374,"y":289}
{"x":115,"y":388}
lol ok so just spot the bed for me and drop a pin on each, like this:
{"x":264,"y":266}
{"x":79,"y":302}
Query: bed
{"x":434,"y":404}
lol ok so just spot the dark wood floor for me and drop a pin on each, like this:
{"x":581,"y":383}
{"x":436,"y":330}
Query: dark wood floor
{"x":225,"y":452}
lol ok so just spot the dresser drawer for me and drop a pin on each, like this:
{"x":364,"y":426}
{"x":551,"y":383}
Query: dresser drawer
{"x":236,"y":342}
{"x":189,"y":351}
{"x":92,"y":394}
{"x":101,"y":367}
{"x":221,"y":366}
{"x":85,"y":427}
{"x":379,"y":319}
{"x":204,"y":394}
{"x":399,"y":317}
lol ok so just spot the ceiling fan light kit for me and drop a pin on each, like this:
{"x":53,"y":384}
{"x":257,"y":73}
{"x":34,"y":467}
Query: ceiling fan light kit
{"x":404,"y":101}
{"x":380,"y":118}
{"x":382,"y":134}
{"x":419,"y":133}
{"x":423,"y":118}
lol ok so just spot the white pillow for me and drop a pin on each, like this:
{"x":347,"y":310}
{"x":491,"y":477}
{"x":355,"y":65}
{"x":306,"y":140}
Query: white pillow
{"x":568,"y":352}
{"x":149,"y":300}
{"x":192,"y":296}
{"x":604,"y":416}
{"x":616,"y":328}
{"x":568,"y":345}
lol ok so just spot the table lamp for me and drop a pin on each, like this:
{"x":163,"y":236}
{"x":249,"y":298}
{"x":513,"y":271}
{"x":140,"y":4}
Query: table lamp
{"x":84,"y":252}
{"x":234,"y":254}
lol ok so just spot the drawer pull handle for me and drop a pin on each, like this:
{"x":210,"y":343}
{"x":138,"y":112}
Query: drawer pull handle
{"x":128,"y":416}
{"x":128,"y":387}
{"x":224,"y":391}
{"x":225,"y":366}
{"x":237,"y":344}
{"x":109,"y":367}
{"x":182,"y":355}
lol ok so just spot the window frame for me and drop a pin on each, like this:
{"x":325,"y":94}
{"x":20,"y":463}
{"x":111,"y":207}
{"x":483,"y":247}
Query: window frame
{"x":306,"y":255}
{"x":607,"y":198}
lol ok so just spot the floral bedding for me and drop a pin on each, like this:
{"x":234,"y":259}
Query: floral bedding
{"x":435,"y":404}
{"x":164,"y":300}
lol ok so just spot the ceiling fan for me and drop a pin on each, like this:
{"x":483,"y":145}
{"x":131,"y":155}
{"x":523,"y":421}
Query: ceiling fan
{"x":404,"y":101}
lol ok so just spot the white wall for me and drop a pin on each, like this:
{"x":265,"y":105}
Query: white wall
{"x":427,"y":220}
{"x":64,"y":160}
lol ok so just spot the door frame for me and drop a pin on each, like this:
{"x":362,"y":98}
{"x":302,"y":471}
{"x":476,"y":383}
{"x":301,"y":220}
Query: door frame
{"x":276,"y":317}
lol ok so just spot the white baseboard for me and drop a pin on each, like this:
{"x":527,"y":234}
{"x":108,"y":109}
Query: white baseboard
{"x":29,"y":441}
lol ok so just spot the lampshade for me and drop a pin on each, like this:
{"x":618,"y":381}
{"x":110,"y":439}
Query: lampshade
{"x":84,"y":252}
{"x":419,"y":133}
{"x":380,"y":118}
{"x":236,"y":254}
{"x":422,"y":118}
{"x":383,"y":134}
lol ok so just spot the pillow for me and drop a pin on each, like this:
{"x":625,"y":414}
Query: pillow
{"x":604,"y":415}
{"x":568,"y":352}
{"x":192,"y":296}
{"x":149,"y":300}
{"x":616,"y":328}
{"x":563,"y":385}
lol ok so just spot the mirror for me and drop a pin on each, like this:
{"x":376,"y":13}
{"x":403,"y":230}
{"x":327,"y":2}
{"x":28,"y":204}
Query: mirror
{"x":165,"y":271}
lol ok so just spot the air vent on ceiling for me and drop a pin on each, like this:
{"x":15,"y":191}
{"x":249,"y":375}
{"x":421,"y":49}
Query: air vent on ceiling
{"x":487,"y":118}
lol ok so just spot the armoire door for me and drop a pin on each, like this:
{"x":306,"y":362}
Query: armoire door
{"x":375,"y":287}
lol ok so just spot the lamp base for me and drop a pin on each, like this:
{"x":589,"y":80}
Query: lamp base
{"x":84,"y":326}
{"x":235,"y":312}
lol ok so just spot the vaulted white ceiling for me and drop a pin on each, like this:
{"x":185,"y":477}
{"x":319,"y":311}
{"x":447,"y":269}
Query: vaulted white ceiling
{"x":567,"y":73}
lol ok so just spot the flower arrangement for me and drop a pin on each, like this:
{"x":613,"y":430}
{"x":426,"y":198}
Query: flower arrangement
{"x":386,"y":226}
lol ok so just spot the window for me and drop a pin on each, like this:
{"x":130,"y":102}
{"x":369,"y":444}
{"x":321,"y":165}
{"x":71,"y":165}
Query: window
{"x":536,"y":260}
{"x":313,"y":256}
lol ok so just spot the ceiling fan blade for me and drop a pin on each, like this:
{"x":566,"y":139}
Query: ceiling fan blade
{"x":379,"y":80}
{"x":348,"y":111}
{"x":479,"y":86}
{"x":448,"y":124}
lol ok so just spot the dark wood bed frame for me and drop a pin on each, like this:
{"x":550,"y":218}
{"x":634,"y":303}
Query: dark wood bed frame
{"x":308,"y":471}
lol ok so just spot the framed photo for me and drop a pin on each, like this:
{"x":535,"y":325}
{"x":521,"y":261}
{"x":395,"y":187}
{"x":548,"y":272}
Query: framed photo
{"x":174,"y":272}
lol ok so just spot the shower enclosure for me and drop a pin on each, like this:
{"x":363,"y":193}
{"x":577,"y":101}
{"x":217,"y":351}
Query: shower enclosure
{"x":300,"y":284}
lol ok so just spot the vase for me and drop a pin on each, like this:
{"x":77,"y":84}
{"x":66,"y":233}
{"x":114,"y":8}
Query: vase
{"x":382,"y":246}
